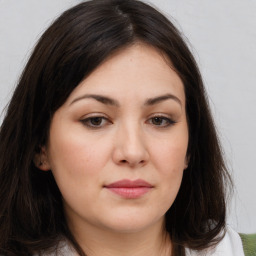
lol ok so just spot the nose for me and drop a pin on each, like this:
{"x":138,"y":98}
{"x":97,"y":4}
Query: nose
{"x":130,"y":147}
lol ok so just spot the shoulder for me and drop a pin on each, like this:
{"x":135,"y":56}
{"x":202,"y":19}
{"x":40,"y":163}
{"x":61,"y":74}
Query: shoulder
{"x":62,"y":249}
{"x":230,"y":245}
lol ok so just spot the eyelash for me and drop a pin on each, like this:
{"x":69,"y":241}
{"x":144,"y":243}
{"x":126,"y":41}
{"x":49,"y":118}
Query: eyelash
{"x":88,"y":121}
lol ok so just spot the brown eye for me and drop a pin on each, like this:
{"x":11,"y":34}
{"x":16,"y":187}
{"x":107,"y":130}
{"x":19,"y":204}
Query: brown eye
{"x":161,"y":121}
{"x":157,"y":121}
{"x":95,"y":122}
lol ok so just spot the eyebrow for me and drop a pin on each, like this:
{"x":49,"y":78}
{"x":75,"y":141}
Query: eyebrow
{"x":102,"y":99}
{"x":109,"y":101}
{"x":156,"y":100}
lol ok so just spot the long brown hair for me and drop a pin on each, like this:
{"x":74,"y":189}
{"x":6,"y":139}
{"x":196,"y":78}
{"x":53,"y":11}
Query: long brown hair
{"x":31,"y":212}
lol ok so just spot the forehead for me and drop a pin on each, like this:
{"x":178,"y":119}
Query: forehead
{"x":139,"y":69}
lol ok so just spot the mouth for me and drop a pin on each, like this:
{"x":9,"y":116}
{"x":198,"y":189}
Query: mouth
{"x":130,"y":189}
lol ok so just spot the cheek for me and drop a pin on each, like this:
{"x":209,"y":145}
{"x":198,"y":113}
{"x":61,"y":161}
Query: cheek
{"x":172,"y":167}
{"x":170,"y":152}
{"x":74,"y":154}
{"x":169,"y":160}
{"x":76,"y":164}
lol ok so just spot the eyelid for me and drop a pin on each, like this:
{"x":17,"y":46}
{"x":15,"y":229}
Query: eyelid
{"x":94,"y":114}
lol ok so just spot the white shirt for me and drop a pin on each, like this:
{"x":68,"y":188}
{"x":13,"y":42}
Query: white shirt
{"x":230,"y":245}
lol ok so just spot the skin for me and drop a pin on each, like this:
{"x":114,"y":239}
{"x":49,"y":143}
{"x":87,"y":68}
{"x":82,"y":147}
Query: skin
{"x":95,"y":142}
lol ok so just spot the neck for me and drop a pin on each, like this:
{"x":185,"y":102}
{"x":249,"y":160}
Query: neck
{"x":97,"y":242}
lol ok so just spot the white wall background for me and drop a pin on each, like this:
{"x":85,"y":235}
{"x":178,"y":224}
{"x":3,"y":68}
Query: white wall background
{"x":223,"y":38}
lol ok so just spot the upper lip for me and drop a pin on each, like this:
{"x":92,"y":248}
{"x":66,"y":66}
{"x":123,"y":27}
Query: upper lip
{"x":129,"y":184}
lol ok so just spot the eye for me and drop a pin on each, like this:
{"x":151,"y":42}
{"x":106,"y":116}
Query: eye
{"x":95,"y":122}
{"x":161,"y":121}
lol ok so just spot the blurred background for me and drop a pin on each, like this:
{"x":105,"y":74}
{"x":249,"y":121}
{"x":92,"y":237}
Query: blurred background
{"x":222,"y":37}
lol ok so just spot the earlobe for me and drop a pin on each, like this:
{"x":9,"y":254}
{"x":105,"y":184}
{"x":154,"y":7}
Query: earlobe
{"x":186,"y":162}
{"x":41,"y":160}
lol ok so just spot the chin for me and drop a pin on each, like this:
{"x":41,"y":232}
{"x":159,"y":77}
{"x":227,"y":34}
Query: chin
{"x":133,"y":223}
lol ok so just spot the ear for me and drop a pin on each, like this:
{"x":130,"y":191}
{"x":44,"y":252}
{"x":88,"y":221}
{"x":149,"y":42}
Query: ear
{"x":186,"y":162}
{"x":41,"y":160}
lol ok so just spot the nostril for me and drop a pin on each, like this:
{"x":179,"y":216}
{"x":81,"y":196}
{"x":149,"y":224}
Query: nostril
{"x":132,"y":163}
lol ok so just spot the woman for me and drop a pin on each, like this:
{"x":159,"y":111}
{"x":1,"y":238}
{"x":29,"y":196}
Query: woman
{"x":108,"y":146}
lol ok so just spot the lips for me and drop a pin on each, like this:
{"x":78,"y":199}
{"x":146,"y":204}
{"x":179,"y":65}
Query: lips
{"x":130,"y":189}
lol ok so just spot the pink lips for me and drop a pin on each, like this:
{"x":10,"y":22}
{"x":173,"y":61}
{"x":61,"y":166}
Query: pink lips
{"x":130,"y":189}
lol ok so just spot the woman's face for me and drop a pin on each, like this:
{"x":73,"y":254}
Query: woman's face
{"x":117,"y":146}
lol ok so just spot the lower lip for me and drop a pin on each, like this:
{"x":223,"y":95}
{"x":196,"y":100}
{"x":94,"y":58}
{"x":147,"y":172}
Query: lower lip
{"x":130,"y":193}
